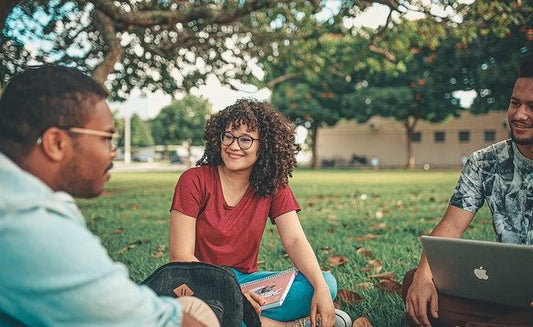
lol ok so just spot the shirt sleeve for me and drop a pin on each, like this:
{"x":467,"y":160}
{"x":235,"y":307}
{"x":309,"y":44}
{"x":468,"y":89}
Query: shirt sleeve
{"x":187,"y":197}
{"x":468,"y":193}
{"x":56,"y":273}
{"x":282,"y":202}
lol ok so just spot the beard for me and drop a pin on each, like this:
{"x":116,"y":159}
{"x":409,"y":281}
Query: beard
{"x":522,"y":140}
{"x":81,"y":180}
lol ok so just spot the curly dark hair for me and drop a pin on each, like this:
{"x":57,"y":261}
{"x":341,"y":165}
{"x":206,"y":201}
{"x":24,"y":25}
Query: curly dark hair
{"x":42,"y":97}
{"x":276,"y":159}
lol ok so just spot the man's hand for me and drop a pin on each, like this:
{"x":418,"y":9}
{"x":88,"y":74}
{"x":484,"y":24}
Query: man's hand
{"x":256,"y":300}
{"x":421,"y":293}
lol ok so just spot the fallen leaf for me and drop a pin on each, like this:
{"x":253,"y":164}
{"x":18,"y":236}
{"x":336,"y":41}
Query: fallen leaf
{"x":365,"y":237}
{"x":337,"y":260}
{"x":349,"y":297}
{"x":366,"y":269}
{"x":362,"y":322}
{"x":379,"y":214}
{"x":135,"y":207}
{"x":157,"y":254}
{"x":365,"y":285}
{"x":332,"y":217}
{"x":399,"y":204}
{"x":118,"y":231}
{"x":365,"y":252}
{"x":126,"y":248}
{"x":161,"y":248}
{"x":387,"y":275}
{"x":390,"y":286}
{"x":326,"y":250}
{"x":376,"y":264}
{"x":378,"y":226}
{"x":162,"y":221}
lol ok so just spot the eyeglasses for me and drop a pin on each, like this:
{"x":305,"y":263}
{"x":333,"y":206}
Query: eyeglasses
{"x":112,"y":138}
{"x":244,"y":141}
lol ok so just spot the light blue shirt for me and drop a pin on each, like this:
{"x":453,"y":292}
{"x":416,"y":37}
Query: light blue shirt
{"x":55,"y":272}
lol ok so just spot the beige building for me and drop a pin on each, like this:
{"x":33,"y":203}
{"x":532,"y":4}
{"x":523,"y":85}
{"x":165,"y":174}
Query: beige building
{"x":439,"y":145}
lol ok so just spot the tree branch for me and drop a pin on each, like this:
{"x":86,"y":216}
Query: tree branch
{"x":114,"y":49}
{"x":159,"y":17}
{"x":280,"y":79}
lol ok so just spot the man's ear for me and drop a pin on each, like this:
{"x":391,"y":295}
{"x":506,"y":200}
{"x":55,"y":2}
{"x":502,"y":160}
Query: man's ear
{"x":54,"y":143}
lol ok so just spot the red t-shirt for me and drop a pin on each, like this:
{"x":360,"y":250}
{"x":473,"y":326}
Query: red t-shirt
{"x":227,"y":235}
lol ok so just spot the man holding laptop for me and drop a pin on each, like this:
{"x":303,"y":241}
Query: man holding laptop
{"x":501,"y":175}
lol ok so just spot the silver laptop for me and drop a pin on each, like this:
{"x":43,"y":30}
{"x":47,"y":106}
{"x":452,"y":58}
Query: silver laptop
{"x":488,"y":271}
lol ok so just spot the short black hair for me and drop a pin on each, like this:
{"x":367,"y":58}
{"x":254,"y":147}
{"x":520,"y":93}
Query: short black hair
{"x":41,"y":97}
{"x":526,"y":67}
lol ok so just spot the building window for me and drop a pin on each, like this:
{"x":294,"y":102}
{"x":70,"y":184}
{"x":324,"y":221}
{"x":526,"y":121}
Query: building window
{"x":416,"y":137}
{"x":464,"y":136}
{"x":490,"y":135}
{"x":440,"y":137}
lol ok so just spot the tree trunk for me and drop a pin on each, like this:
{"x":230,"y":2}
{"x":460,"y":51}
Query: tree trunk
{"x":314,"y":157}
{"x":5,"y":10}
{"x":409,"y":129}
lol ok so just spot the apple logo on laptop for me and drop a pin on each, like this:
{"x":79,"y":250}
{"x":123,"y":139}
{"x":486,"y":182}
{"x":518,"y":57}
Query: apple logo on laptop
{"x":481,"y":273}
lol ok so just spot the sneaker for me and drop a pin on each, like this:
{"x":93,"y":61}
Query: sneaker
{"x":342,"y":319}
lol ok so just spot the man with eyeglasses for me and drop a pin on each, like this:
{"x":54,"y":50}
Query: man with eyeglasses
{"x":57,"y":140}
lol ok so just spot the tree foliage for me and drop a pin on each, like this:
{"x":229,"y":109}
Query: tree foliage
{"x":141,"y":135}
{"x":169,"y":45}
{"x":172,"y":45}
{"x":410,"y":71}
{"x":181,"y":121}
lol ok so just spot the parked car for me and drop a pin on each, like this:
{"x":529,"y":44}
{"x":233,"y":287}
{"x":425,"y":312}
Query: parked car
{"x":143,"y":158}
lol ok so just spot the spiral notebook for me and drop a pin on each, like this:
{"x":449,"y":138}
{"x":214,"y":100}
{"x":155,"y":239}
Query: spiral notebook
{"x":274,"y":288}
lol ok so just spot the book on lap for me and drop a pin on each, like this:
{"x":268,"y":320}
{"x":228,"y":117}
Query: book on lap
{"x":273,"y":289}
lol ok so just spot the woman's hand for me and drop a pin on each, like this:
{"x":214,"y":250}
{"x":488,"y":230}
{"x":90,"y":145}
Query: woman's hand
{"x":322,"y":309}
{"x":256,"y":300}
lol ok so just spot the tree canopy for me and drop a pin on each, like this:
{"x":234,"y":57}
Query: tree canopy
{"x":181,"y":121}
{"x":172,"y":45}
{"x":408,"y":72}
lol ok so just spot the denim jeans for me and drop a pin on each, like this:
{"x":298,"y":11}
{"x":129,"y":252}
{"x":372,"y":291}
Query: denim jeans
{"x":297,"y":304}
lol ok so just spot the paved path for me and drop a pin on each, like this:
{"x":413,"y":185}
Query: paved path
{"x":120,"y":166}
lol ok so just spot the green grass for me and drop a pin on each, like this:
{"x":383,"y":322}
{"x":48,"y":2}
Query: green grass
{"x":131,"y":218}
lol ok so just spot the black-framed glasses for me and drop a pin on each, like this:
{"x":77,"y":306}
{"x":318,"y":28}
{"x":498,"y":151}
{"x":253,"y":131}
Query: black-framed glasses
{"x":112,"y":138}
{"x":244,"y":141}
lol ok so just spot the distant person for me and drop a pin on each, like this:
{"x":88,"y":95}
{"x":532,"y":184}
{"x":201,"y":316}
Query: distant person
{"x":220,"y":208}
{"x":374,"y":161}
{"x":502,"y":176}
{"x":57,"y":141}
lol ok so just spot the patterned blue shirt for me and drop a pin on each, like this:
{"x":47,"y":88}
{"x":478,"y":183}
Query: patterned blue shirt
{"x":503,"y":177}
{"x":55,"y":272}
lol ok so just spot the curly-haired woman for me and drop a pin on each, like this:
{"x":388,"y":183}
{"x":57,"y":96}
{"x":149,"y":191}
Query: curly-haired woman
{"x":220,"y":209}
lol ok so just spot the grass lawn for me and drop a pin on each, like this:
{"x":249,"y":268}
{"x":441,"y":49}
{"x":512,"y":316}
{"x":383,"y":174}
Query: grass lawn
{"x":343,"y":211}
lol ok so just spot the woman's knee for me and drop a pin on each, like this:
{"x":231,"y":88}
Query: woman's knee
{"x":331,"y":282}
